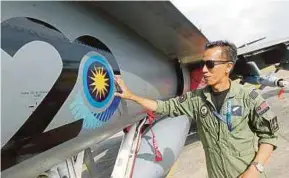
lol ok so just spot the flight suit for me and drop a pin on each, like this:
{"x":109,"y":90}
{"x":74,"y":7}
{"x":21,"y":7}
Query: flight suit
{"x":228,"y":140}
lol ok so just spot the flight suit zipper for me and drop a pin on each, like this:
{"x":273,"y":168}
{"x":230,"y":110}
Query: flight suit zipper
{"x":228,"y":102}
{"x":218,"y":117}
{"x":219,"y":136}
{"x":218,"y":139}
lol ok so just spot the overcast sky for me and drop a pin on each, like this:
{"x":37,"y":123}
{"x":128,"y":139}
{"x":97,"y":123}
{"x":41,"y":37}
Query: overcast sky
{"x":239,"y":21}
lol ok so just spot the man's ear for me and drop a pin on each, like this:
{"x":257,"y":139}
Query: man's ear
{"x":229,"y":68}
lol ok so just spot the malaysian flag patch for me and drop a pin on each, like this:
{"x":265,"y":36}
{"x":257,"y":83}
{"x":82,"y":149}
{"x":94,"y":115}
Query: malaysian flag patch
{"x":262,"y":108}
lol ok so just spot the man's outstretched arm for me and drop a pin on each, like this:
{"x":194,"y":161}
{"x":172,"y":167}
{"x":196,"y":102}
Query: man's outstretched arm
{"x":127,"y":94}
{"x":172,"y":107}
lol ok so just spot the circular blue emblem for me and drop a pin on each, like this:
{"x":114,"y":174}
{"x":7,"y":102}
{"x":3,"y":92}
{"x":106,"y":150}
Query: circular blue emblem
{"x":98,"y":81}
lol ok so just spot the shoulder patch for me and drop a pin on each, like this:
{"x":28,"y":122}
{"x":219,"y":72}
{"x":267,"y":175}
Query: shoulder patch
{"x":253,"y":94}
{"x":274,"y":124}
{"x":182,"y":98}
{"x":262,"y":108}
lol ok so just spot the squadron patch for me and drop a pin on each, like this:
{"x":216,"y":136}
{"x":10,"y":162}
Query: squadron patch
{"x":262,"y":108}
{"x":237,"y":110}
{"x":182,"y":98}
{"x":204,"y":111}
{"x":253,"y":94}
{"x":274,"y":124}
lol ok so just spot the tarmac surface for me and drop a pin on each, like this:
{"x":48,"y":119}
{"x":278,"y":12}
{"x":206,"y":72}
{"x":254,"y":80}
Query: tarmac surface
{"x":191,"y":162}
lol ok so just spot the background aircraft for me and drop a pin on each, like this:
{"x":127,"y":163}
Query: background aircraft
{"x":258,"y":56}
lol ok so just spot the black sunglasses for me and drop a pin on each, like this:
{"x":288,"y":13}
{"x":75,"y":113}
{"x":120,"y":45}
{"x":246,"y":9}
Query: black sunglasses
{"x":211,"y":64}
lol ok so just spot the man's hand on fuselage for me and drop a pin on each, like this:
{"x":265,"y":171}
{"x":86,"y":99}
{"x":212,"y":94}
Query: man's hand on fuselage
{"x":125,"y":93}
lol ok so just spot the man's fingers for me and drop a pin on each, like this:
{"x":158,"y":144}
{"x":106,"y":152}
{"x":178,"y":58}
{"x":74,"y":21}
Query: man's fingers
{"x":122,"y":90}
{"x":117,"y":78}
{"x":116,"y":81}
{"x":120,"y":82}
{"x":117,"y":94}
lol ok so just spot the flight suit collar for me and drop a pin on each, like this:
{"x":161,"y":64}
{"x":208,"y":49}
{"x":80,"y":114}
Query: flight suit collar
{"x":233,"y":91}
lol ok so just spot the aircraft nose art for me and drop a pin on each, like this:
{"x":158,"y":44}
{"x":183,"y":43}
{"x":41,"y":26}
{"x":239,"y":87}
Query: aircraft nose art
{"x":97,"y":81}
{"x":95,"y":103}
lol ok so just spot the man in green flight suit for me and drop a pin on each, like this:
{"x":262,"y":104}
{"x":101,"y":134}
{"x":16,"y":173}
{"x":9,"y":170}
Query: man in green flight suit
{"x":228,"y":116}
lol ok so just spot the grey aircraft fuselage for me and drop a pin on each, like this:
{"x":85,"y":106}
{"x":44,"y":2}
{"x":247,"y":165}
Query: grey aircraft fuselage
{"x":58,"y":61}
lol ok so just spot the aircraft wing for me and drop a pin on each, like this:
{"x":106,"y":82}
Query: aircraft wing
{"x":162,"y":25}
{"x":261,"y":47}
{"x":263,"y":55}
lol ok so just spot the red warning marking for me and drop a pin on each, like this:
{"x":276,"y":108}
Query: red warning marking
{"x":280,"y":94}
{"x":197,"y":79}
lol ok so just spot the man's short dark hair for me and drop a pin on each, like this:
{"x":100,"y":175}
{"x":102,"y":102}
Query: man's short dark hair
{"x":229,"y":50}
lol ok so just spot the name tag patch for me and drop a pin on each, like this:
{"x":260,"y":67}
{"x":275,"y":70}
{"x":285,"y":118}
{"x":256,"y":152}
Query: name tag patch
{"x":262,"y":108}
{"x":237,"y":110}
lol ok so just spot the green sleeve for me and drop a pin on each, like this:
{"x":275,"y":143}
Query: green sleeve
{"x":181,"y":105}
{"x":263,"y":121}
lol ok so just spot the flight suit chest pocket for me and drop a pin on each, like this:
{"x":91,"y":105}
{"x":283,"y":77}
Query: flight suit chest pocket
{"x":239,"y":115}
{"x":240,"y":137}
